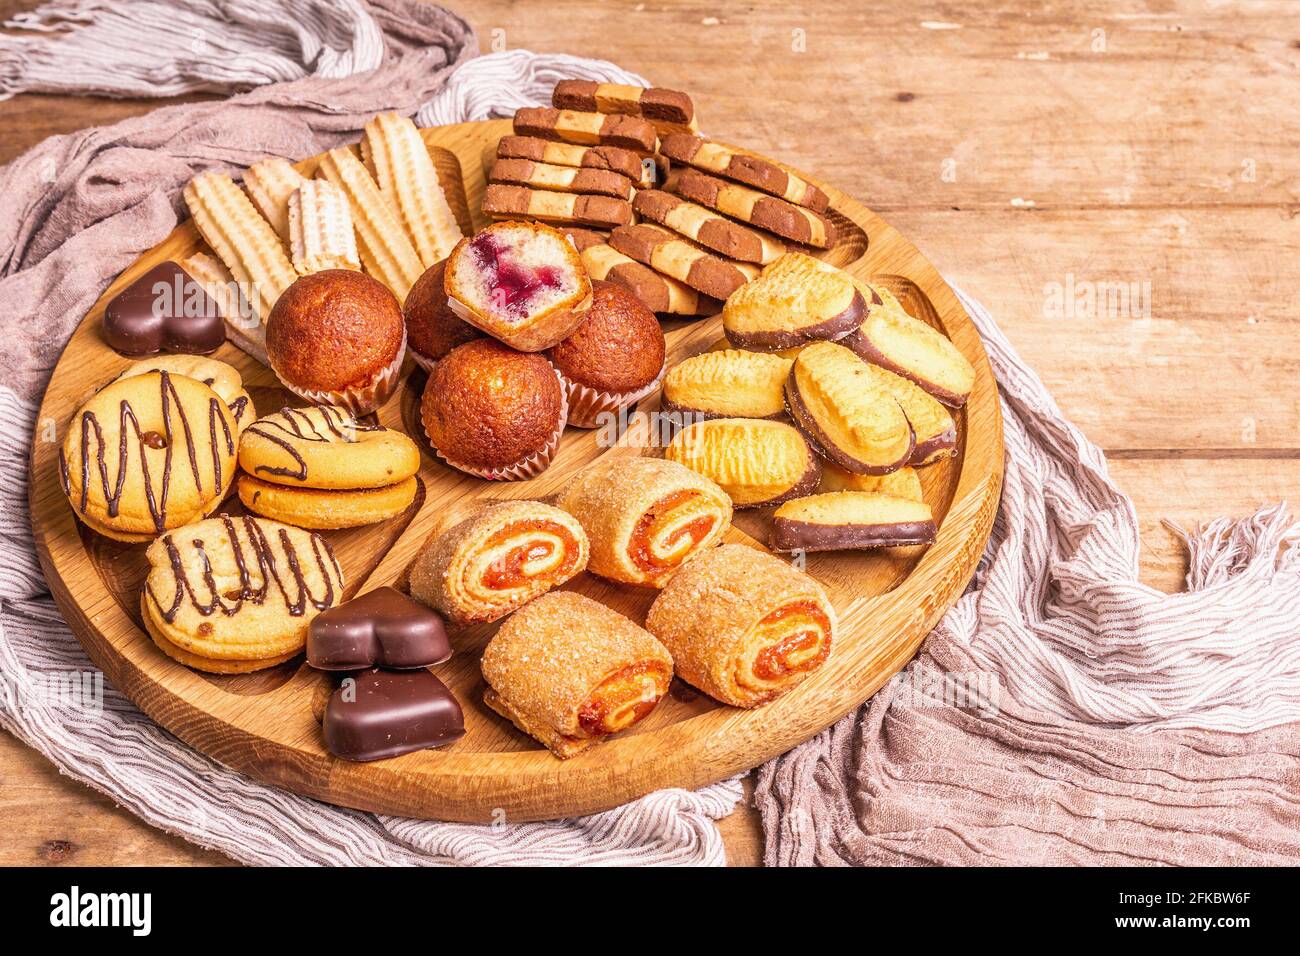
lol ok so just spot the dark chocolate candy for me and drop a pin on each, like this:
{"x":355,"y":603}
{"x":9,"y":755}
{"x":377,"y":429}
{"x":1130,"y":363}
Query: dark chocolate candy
{"x":165,"y":310}
{"x":383,"y":628}
{"x":377,"y":714}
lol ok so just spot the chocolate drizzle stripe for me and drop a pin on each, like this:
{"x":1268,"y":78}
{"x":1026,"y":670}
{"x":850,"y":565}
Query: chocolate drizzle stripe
{"x":268,"y":570}
{"x":298,"y":425}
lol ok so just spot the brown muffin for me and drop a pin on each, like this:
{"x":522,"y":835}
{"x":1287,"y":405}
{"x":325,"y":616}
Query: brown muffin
{"x":432,"y":328}
{"x":492,"y":411}
{"x":614,"y":358}
{"x":337,"y":337}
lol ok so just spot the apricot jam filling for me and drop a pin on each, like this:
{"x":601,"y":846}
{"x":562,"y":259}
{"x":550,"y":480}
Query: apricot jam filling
{"x":515,"y":567}
{"x":800,"y":631}
{"x":682,"y":538}
{"x":623,"y":698}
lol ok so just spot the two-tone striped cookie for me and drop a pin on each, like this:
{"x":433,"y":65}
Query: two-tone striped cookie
{"x":659,"y":293}
{"x":761,"y":174}
{"x":616,"y":160}
{"x":564,"y":179}
{"x":501,"y":201}
{"x":758,"y":209}
{"x":588,"y":129}
{"x":682,"y":260}
{"x":710,"y":229}
{"x":669,"y":110}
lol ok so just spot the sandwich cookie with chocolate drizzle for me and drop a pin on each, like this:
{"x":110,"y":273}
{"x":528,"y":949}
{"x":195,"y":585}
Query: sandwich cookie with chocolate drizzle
{"x":230,"y":595}
{"x":322,"y":467}
{"x":148,"y":453}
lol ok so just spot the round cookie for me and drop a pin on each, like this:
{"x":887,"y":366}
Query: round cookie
{"x":221,"y":378}
{"x":237,"y":589}
{"x":323,"y":509}
{"x":208,"y":664}
{"x":324,"y":446}
{"x":148,"y":453}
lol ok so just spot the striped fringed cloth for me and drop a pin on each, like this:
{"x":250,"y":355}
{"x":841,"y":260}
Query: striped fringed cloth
{"x":1061,"y":713}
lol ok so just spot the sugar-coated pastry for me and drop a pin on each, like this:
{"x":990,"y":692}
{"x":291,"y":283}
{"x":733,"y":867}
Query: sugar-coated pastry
{"x":666,"y":252}
{"x":840,"y":520}
{"x":894,"y":340}
{"x":669,"y":110}
{"x":235,"y":594}
{"x":726,"y":162}
{"x":522,"y":283}
{"x":569,"y":672}
{"x":796,"y":223}
{"x":324,"y":446}
{"x":904,"y":483}
{"x":757,"y":462}
{"x":710,"y":229}
{"x":432,"y":328}
{"x":497,"y":559}
{"x":493,"y":412}
{"x":742,"y":625}
{"x":337,"y":338}
{"x":165,"y":310}
{"x":846,"y":413}
{"x":223,"y":379}
{"x":148,"y":453}
{"x":658,"y":292}
{"x":613,"y":359}
{"x":645,"y":517}
{"x":731,"y":383}
{"x":795,"y":300}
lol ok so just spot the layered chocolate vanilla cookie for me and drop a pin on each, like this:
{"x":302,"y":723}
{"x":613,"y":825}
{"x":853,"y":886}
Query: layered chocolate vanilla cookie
{"x":796,"y":223}
{"x":731,"y":383}
{"x":611,"y":158}
{"x":842,"y":520}
{"x":795,"y":300}
{"x":710,"y":229}
{"x":768,"y":177}
{"x":669,"y":110}
{"x":588,"y":128}
{"x":503,"y":201}
{"x":497,"y":559}
{"x":844,"y":411}
{"x":682,"y":260}
{"x":659,"y":293}
{"x":756,"y":462}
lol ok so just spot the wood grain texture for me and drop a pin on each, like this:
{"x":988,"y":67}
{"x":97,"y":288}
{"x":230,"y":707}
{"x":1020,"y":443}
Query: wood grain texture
{"x":262,"y":724}
{"x":1107,"y":146}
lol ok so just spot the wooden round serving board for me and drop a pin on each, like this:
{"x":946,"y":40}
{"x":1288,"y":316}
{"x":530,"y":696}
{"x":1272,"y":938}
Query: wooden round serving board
{"x":263,"y":724}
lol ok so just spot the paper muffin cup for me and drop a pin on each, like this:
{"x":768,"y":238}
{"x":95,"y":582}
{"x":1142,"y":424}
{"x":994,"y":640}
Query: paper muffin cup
{"x":529,"y":467}
{"x":359,"y":399}
{"x":586,"y":404}
{"x":423,"y":361}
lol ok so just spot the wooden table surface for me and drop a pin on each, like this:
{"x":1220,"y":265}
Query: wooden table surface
{"x":1038,"y":153}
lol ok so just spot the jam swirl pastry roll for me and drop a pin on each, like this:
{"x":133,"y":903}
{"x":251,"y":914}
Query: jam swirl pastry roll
{"x":742,"y":625}
{"x":645,"y":517}
{"x":497,"y":559}
{"x":569,"y":672}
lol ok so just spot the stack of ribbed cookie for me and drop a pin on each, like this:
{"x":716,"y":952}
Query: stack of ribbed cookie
{"x":651,"y":204}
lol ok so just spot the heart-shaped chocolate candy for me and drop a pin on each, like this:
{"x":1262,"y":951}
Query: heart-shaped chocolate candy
{"x":165,"y":310}
{"x":381,"y":628}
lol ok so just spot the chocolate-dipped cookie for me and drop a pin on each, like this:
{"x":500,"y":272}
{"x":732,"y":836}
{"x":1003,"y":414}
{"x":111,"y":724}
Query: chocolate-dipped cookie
{"x":845,"y":413}
{"x":795,"y":300}
{"x":731,"y":383}
{"x":841,"y":520}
